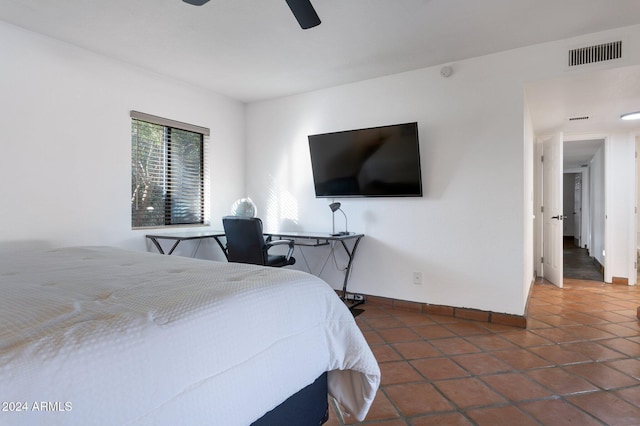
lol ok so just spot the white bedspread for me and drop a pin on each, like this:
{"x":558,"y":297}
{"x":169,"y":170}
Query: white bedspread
{"x":105,"y":336}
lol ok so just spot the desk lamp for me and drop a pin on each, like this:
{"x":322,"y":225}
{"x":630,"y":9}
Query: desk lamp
{"x":334,"y":207}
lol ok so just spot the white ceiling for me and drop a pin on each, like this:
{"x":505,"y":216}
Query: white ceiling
{"x":254,"y":49}
{"x":579,"y":153}
{"x":602,"y":96}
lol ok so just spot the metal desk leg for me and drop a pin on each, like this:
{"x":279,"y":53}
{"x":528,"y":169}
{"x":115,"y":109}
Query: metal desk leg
{"x":222,"y":247}
{"x":159,"y":247}
{"x":157,"y":244}
{"x":174,"y":247}
{"x":347,"y":272}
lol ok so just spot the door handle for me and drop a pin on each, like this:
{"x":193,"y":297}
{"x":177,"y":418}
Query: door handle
{"x":558,"y":217}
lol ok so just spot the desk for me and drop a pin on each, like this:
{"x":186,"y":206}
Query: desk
{"x":303,"y":239}
{"x":318,"y":239}
{"x":184,"y":236}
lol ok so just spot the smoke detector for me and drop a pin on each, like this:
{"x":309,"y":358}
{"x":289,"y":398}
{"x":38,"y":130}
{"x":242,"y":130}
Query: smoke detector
{"x":446,"y":71}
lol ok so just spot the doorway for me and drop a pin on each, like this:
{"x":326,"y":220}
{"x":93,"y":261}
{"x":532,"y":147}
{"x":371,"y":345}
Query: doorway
{"x":582,"y":106}
{"x":583,"y":209}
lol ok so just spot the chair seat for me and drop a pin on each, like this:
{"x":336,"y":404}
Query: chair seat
{"x":279,"y":260}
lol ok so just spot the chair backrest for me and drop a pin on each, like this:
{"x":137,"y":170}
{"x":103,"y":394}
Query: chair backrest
{"x":245,"y":241}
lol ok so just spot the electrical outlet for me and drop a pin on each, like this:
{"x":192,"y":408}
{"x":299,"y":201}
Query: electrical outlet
{"x":417,"y":278}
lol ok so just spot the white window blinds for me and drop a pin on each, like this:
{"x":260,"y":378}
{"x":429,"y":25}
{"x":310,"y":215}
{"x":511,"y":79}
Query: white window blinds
{"x":168,"y":176}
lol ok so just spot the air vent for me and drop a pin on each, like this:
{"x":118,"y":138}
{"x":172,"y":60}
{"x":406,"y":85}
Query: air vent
{"x":598,"y":53}
{"x":584,"y":117}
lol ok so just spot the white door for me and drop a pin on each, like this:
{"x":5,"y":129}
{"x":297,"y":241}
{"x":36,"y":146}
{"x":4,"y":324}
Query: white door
{"x":552,"y":209}
{"x":577,"y":210}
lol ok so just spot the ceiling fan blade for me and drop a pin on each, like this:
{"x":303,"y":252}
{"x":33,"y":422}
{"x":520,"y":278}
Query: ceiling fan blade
{"x":196,"y":2}
{"x":304,"y":12}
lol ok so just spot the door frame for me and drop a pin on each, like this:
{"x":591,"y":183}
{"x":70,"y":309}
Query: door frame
{"x":538,"y":200}
{"x":585,"y":203}
{"x":620,"y":215}
{"x":606,"y":231}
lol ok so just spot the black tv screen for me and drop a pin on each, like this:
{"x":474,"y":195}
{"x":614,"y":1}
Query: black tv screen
{"x":374,"y":162}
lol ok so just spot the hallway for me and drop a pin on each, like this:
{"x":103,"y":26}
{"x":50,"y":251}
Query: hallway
{"x":578,"y":264}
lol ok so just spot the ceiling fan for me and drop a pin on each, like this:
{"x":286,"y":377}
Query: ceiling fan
{"x":302,"y":9}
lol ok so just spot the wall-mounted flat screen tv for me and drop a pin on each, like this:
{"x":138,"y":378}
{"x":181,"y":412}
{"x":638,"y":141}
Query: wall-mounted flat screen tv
{"x":374,"y":162}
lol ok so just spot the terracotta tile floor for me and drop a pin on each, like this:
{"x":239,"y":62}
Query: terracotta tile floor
{"x":577,"y":363}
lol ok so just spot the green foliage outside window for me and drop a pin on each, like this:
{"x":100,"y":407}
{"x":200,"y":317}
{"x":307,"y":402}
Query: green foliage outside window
{"x":167,"y":178}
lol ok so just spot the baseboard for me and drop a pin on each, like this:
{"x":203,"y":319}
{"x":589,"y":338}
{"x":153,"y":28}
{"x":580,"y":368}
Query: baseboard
{"x":620,"y":280}
{"x":599,"y":265}
{"x":614,"y":280}
{"x":526,"y":304}
{"x":449,"y":311}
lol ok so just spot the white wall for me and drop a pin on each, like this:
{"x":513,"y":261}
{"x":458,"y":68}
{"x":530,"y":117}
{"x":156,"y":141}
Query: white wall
{"x":585,"y":197}
{"x":473,"y":196}
{"x":66,"y":163}
{"x":66,"y":140}
{"x":531,"y":205}
{"x":585,"y":231}
{"x":620,"y":204}
{"x":471,"y":234}
{"x":568,"y":201}
{"x":637,"y":196}
{"x":596,"y":185}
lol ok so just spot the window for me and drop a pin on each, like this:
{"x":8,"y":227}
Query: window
{"x":168,"y":176}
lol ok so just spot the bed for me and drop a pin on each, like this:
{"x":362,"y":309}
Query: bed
{"x":99,"y":335}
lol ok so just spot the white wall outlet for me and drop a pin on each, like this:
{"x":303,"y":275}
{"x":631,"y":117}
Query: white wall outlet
{"x":417,"y":278}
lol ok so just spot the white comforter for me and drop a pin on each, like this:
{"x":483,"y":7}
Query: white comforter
{"x":104,"y":336}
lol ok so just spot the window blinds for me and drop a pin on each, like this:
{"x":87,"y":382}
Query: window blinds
{"x":168,"y":184}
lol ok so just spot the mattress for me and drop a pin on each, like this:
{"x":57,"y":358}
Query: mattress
{"x":99,"y":335}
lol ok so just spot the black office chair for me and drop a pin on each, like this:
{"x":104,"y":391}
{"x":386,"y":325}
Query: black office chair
{"x":246,"y":243}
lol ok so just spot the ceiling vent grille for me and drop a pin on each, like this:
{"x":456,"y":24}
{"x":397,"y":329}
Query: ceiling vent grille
{"x":598,"y":53}
{"x":584,"y":117}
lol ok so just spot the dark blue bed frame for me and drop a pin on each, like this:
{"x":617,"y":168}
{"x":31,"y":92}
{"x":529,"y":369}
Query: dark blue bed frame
{"x":309,"y":406}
